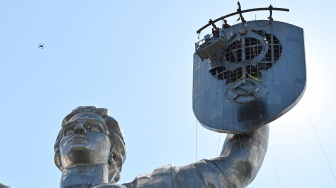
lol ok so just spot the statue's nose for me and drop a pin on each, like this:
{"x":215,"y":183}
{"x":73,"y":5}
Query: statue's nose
{"x":79,"y":129}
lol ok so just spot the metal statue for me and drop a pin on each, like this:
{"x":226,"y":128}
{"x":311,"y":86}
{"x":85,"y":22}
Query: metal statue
{"x":90,"y":151}
{"x":245,"y":76}
{"x":4,"y":186}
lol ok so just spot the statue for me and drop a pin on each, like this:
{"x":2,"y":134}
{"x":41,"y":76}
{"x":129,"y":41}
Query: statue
{"x":90,"y":151}
{"x":3,"y":186}
{"x":244,"y":76}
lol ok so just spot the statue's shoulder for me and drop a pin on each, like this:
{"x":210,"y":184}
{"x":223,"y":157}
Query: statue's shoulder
{"x":160,"y":177}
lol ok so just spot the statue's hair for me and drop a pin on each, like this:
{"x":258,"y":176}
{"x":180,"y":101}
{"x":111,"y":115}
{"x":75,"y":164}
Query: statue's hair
{"x":118,"y":153}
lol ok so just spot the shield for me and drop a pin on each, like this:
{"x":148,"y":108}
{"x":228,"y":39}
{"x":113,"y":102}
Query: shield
{"x":256,"y":75}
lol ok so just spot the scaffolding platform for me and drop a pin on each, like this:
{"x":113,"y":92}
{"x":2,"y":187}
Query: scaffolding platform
{"x":211,"y":45}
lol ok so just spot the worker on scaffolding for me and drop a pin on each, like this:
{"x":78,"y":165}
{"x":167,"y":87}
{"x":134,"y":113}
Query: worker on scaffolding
{"x":215,"y":32}
{"x":225,"y":24}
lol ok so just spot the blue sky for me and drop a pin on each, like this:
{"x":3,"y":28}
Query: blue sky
{"x":135,"y":58}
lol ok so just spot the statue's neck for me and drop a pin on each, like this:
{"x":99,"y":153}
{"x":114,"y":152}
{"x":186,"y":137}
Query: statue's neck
{"x":84,"y":175}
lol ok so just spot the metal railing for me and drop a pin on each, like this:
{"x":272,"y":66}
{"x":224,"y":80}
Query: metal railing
{"x":209,"y":39}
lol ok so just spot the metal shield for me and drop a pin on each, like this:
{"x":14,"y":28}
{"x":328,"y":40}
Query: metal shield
{"x":258,"y":76}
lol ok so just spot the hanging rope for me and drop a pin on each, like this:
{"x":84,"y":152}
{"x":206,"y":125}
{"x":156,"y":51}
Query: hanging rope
{"x":241,"y":150}
{"x":311,"y":122}
{"x":318,"y":138}
{"x":276,"y":171}
{"x":196,"y":139}
{"x":272,"y":42}
{"x":220,"y":134}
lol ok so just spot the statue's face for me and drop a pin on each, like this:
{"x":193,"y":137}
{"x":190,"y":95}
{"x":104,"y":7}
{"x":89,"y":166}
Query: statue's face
{"x":85,"y":140}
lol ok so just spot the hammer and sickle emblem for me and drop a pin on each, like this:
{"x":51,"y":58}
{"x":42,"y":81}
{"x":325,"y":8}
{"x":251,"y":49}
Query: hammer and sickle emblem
{"x":245,"y":89}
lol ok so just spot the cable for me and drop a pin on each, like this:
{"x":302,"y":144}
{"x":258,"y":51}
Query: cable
{"x":318,"y":138}
{"x":241,"y":150}
{"x":311,"y":122}
{"x":273,"y":62}
{"x":236,"y":121}
{"x":276,"y":171}
{"x":220,"y":134}
{"x":196,"y":139}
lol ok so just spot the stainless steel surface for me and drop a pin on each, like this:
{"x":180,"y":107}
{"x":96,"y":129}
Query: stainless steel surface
{"x":90,"y":150}
{"x":236,"y":167}
{"x":4,"y":186}
{"x":258,"y":77}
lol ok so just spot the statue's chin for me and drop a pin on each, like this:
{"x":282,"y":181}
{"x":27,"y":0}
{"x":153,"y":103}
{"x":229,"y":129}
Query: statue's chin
{"x":78,"y":154}
{"x":83,"y":154}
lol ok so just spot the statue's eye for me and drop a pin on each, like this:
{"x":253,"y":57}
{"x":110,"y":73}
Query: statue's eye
{"x":92,"y":128}
{"x":68,"y":132}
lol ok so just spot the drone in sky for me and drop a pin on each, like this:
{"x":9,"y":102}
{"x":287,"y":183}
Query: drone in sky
{"x":41,"y":46}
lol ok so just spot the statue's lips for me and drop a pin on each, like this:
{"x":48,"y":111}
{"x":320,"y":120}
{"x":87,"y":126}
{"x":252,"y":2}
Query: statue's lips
{"x":78,"y":139}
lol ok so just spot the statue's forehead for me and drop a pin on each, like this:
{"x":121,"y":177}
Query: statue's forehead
{"x":85,"y":116}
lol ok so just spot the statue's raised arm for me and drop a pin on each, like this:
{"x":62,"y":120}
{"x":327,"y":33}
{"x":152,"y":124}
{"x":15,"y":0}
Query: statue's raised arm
{"x":242,"y":157}
{"x":237,"y":165}
{"x":244,"y":76}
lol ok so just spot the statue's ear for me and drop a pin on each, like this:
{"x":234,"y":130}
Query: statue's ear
{"x":112,"y":159}
{"x":114,"y":173}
